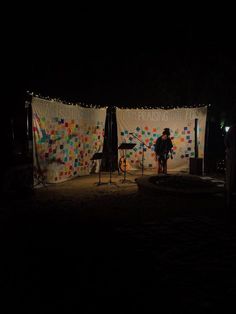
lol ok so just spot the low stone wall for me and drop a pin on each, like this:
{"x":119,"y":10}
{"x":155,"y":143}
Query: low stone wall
{"x":179,"y":184}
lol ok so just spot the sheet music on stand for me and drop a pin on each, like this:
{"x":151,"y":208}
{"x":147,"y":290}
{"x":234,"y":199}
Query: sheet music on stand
{"x":126,"y":146}
{"x":98,"y":156}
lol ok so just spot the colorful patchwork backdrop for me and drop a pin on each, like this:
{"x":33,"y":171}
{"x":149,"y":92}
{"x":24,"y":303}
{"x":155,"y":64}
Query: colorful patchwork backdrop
{"x":148,"y":125}
{"x":65,"y":138}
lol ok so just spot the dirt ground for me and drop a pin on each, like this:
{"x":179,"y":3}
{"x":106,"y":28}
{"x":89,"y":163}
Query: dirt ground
{"x":77,"y":247}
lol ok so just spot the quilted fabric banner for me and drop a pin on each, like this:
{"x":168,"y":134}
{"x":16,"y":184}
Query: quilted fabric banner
{"x":65,"y":138}
{"x":147,"y":125}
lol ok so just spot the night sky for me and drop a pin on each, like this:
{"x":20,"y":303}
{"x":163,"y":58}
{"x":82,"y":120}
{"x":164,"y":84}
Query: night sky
{"x":171,"y":75}
{"x":162,"y":64}
{"x":172,"y":64}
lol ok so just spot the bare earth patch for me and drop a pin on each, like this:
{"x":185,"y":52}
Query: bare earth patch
{"x":78,"y":247}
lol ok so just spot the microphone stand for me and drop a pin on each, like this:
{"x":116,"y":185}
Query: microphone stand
{"x":143,"y":144}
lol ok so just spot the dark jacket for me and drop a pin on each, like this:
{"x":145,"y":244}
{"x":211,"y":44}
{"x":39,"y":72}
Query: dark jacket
{"x":163,"y":147}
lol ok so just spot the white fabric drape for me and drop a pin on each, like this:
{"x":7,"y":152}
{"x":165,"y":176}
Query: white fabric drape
{"x":148,"y":124}
{"x":65,"y":138}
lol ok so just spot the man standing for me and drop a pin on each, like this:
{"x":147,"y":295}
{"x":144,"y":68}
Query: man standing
{"x":163,"y":147}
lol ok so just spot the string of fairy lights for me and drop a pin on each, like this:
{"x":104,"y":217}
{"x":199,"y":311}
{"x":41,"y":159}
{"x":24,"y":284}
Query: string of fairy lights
{"x":81,"y":104}
{"x":129,"y":106}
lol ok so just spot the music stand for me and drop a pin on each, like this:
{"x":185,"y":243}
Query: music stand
{"x":126,"y":146}
{"x":98,"y":156}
